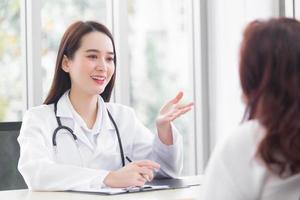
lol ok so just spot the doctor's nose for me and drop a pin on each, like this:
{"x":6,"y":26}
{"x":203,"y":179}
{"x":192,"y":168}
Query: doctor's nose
{"x":101,"y":64}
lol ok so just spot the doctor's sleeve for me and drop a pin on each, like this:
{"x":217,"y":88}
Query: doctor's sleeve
{"x":147,"y":145}
{"x":40,"y":171}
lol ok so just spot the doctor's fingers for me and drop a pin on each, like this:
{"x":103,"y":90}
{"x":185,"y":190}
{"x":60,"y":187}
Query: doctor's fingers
{"x":174,"y":108}
{"x":179,"y":107}
{"x":146,"y":173}
{"x":177,"y":98}
{"x":178,"y":114}
{"x":137,"y":179}
{"x":147,"y":163}
{"x":183,"y":106}
{"x":170,"y":104}
{"x":140,"y":181}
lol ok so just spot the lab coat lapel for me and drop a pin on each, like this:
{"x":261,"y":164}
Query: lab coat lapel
{"x":107,"y":139}
{"x":64,"y":111}
{"x":81,"y":136}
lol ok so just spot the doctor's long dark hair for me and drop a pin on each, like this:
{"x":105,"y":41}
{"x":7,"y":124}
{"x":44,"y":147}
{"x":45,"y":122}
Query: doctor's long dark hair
{"x":270,"y":80}
{"x":69,"y":44}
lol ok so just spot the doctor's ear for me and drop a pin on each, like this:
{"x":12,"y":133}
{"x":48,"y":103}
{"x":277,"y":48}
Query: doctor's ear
{"x":65,"y":64}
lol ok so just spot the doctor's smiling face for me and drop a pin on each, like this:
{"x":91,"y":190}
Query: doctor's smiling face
{"x":85,"y":62}
{"x":92,"y":66}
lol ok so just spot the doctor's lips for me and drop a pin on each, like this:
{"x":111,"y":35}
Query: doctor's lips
{"x":99,"y":79}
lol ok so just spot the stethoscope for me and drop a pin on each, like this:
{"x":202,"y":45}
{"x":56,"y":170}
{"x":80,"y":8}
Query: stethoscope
{"x":62,"y":127}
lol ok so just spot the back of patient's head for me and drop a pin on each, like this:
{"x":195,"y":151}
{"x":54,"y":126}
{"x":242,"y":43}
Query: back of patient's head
{"x":270,"y":80}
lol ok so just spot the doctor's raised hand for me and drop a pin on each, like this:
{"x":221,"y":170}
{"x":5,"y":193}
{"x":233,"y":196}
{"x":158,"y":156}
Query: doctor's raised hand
{"x":169,"y":112}
{"x":79,"y":140}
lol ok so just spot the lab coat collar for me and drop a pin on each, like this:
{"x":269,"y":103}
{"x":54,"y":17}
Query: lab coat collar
{"x":63,"y":110}
{"x":107,"y":123}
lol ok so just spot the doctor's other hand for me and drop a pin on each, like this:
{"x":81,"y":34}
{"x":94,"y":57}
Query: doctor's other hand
{"x":133,"y":174}
{"x":169,"y":112}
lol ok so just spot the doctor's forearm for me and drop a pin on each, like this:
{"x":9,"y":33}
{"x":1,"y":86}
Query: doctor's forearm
{"x":170,"y":157}
{"x":165,"y":133}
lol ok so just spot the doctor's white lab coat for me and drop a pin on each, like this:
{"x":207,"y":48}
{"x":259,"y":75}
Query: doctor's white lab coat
{"x":82,"y":166}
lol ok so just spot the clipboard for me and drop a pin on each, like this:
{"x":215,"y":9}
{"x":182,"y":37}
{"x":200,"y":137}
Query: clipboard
{"x":176,"y":183}
{"x":114,"y":191}
{"x":156,"y":184}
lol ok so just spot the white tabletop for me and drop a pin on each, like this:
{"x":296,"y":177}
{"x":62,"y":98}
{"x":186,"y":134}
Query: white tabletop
{"x":191,"y":193}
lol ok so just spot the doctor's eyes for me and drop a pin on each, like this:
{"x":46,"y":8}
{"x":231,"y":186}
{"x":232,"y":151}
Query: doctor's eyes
{"x":95,"y":57}
{"x":109,"y":59}
{"x":92,"y":57}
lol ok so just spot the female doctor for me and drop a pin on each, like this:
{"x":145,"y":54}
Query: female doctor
{"x":77,"y":140}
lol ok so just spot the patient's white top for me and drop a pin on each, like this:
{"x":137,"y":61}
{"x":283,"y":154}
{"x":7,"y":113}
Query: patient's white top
{"x":235,"y":173}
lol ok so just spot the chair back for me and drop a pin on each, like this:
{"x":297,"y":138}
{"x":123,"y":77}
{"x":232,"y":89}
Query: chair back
{"x":10,"y":177}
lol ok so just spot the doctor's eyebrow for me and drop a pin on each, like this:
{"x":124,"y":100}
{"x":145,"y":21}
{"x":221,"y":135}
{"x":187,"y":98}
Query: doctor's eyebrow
{"x":97,"y":51}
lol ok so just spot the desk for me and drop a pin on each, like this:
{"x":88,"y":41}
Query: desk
{"x":191,"y":193}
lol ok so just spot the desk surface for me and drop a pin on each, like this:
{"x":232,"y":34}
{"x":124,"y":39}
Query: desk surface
{"x":191,"y":193}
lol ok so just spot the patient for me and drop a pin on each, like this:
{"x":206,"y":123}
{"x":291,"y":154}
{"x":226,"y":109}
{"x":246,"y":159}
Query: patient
{"x":261,"y":160}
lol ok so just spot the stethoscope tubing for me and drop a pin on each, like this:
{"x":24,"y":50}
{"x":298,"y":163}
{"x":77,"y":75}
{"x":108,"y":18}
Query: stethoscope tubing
{"x":61,"y":127}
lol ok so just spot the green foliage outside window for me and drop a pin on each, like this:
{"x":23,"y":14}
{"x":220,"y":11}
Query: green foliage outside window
{"x":10,"y":60}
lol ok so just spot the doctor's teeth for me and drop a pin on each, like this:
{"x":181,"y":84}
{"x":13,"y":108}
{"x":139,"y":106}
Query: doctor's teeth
{"x":99,"y":78}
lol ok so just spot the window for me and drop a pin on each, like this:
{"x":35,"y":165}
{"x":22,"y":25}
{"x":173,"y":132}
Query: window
{"x":11,"y":80}
{"x":53,"y":27}
{"x":226,"y":29}
{"x":295,"y":8}
{"x":160,"y":61}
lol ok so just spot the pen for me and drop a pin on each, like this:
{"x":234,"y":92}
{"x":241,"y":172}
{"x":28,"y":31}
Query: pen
{"x":129,"y":160}
{"x":143,"y":175}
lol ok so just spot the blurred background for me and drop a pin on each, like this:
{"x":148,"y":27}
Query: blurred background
{"x":163,"y":46}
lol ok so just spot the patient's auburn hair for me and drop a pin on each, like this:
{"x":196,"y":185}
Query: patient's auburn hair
{"x":270,"y":80}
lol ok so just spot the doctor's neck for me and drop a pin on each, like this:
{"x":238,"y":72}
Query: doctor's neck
{"x":85,"y":105}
